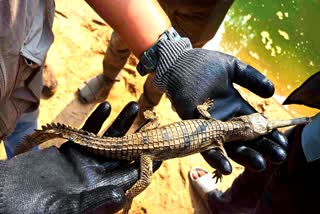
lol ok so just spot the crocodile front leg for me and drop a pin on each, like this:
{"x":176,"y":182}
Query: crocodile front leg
{"x":219,"y":146}
{"x":142,"y":183}
{"x":203,"y":109}
{"x":152,"y":121}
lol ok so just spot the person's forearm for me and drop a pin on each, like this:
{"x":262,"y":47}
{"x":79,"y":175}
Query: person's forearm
{"x":138,"y":22}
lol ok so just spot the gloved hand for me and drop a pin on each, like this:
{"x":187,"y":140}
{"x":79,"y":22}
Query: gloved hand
{"x":190,"y":76}
{"x":67,"y":180}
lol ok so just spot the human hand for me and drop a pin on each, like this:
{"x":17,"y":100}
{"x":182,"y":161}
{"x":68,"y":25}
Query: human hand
{"x":67,"y":180}
{"x":191,"y":76}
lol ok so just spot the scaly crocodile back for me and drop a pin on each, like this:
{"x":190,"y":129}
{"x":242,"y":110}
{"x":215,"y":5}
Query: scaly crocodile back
{"x":169,"y":141}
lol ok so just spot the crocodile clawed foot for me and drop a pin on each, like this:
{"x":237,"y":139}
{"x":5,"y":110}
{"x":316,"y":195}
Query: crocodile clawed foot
{"x":203,"y":109}
{"x":150,"y":115}
{"x":218,"y":175}
{"x":151,"y":123}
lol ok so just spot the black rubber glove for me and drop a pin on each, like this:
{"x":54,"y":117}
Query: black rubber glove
{"x":66,"y":180}
{"x":190,"y":76}
{"x":306,"y":93}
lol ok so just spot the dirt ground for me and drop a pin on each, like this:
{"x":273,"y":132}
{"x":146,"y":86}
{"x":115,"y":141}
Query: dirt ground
{"x":81,"y":38}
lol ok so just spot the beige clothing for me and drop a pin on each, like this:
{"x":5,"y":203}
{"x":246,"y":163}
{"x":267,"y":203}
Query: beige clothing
{"x":198,"y":20}
{"x":25,"y":37}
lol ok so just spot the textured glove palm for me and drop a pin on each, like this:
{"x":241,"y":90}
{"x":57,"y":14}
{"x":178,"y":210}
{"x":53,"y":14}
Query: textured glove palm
{"x":67,"y":180}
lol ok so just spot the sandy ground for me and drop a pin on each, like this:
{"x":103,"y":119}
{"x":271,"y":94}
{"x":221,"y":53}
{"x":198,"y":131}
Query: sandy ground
{"x":81,"y":38}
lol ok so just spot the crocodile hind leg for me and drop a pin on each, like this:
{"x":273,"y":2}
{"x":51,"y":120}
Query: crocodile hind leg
{"x":142,"y":183}
{"x":218,"y":145}
{"x":203,"y":109}
{"x":152,"y":121}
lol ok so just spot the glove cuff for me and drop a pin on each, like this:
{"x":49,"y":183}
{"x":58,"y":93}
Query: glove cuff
{"x":169,"y":52}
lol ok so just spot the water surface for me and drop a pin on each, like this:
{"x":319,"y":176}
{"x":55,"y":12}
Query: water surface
{"x":280,"y":38}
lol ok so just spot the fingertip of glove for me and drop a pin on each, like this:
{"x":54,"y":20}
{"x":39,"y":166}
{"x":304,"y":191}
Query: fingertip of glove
{"x":225,"y":167}
{"x":278,"y":138}
{"x":117,"y":195}
{"x":104,"y":106}
{"x":112,"y":199}
{"x":268,"y":89}
{"x":274,"y":152}
{"x":97,"y":118}
{"x":218,"y":161}
{"x":280,"y":156}
{"x":249,"y":158}
{"x":131,"y":106}
{"x":258,"y":164}
{"x":156,"y":165}
{"x":123,"y":121}
{"x":102,"y":109}
{"x":262,"y":85}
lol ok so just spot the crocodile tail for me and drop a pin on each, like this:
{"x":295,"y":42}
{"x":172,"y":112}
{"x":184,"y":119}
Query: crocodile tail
{"x":47,"y":132}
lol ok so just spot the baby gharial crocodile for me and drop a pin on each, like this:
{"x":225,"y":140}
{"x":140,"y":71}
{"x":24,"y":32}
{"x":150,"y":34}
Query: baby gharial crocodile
{"x":170,"y":141}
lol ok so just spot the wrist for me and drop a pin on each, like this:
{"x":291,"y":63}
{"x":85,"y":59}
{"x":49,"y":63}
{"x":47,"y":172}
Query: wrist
{"x":169,"y":52}
{"x":162,"y":55}
{"x":150,"y":58}
{"x":146,"y":17}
